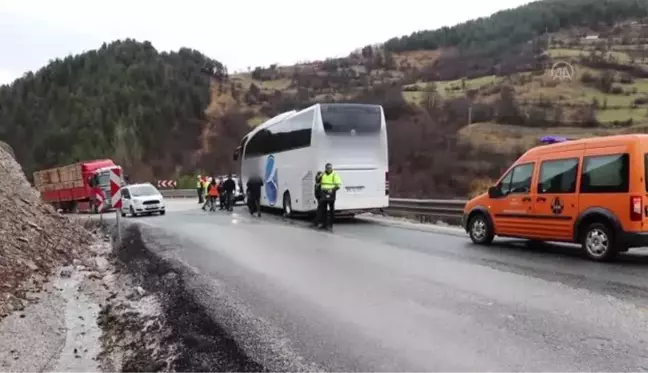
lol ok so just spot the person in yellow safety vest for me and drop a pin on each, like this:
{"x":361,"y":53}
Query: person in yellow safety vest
{"x":199,"y":189}
{"x":205,"y":184}
{"x":329,"y":185}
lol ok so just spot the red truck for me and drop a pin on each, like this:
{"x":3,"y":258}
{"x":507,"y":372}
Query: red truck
{"x":72,"y":188}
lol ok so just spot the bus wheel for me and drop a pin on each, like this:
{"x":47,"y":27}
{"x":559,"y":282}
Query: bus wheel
{"x":287,"y":205}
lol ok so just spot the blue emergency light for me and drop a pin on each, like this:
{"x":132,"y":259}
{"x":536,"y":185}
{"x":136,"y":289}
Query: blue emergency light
{"x":552,"y":139}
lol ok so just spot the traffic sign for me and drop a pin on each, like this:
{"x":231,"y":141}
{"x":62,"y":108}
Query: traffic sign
{"x":115,"y":188}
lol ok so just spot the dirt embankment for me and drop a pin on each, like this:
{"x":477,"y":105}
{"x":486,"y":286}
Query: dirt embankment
{"x":72,"y":301}
{"x":61,"y":294}
{"x":34,"y":238}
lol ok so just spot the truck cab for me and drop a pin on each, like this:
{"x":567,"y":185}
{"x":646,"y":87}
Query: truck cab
{"x":100,"y":179}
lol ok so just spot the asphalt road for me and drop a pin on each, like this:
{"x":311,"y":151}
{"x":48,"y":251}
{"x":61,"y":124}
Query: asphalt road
{"x":372,"y":297}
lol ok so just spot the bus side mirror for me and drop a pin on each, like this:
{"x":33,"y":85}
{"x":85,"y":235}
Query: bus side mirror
{"x":235,"y":156}
{"x":494,"y":192}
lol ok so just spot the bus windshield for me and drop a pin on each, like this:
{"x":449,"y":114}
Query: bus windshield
{"x":350,"y":118}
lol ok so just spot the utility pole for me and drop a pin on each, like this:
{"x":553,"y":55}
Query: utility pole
{"x":470,"y":114}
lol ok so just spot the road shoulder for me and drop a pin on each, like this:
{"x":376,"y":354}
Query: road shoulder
{"x":405,"y":224}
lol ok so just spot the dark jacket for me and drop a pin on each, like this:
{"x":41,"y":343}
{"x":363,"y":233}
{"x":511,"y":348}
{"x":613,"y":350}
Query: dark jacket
{"x":229,"y":185}
{"x":253,"y":186}
{"x":318,"y":189}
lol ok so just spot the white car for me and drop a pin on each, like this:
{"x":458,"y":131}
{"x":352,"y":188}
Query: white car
{"x":142,"y":199}
{"x":238,"y":195}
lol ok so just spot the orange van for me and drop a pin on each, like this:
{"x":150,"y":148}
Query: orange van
{"x":592,"y":191}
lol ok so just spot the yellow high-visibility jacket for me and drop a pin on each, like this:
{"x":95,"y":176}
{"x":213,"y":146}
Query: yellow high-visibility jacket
{"x":330,"y":181}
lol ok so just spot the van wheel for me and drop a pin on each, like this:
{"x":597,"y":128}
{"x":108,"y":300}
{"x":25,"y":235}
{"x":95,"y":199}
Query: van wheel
{"x":287,"y":205}
{"x":598,"y":242}
{"x":480,"y":230}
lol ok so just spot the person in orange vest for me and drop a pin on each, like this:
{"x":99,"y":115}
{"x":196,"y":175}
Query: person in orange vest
{"x":212,"y":194}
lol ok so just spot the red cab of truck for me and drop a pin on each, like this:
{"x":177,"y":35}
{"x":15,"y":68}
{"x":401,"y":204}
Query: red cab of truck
{"x":72,"y":188}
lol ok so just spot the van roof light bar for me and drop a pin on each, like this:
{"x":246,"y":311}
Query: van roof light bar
{"x":552,"y":139}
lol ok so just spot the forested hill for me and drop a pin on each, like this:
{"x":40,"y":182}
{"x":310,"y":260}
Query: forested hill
{"x":124,"y":100}
{"x":514,"y":26}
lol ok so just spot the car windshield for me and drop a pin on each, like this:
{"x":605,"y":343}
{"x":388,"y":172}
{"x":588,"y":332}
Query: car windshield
{"x":143,"y":191}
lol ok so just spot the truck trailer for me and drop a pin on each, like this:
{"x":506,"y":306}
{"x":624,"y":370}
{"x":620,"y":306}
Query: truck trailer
{"x":72,"y":188}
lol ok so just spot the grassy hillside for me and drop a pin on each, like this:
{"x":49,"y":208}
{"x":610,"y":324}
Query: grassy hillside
{"x":461,"y":102}
{"x":463,"y":109}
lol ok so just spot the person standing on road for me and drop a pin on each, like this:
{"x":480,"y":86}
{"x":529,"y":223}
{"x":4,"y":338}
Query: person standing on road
{"x":212,"y":194}
{"x":318,"y":194}
{"x":329,"y":185}
{"x":206,"y":183}
{"x":229,"y":186}
{"x":199,"y":188}
{"x":221,"y":192}
{"x":253,"y":190}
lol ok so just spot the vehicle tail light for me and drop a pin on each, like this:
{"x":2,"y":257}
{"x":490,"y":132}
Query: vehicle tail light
{"x":636,"y":208}
{"x":386,"y":183}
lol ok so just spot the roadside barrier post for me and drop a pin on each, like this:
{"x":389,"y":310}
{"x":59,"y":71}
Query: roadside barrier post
{"x":99,"y":200}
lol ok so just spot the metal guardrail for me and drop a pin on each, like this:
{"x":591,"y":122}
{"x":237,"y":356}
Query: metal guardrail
{"x":179,"y":193}
{"x":428,"y":210}
{"x":424,"y":210}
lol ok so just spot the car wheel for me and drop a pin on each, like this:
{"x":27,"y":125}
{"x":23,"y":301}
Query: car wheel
{"x":132,"y":212}
{"x":123,"y":214}
{"x":480,"y":230}
{"x":162,"y":212}
{"x":287,"y":205}
{"x":598,"y":242}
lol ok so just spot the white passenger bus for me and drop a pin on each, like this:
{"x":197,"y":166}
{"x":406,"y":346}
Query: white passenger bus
{"x":289,"y":149}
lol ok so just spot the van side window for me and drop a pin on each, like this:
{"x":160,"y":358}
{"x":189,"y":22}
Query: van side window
{"x":518,"y":180}
{"x":606,"y":174}
{"x":558,"y":176}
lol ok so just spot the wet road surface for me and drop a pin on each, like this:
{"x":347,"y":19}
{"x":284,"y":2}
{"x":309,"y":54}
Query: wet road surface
{"x":376,"y":298}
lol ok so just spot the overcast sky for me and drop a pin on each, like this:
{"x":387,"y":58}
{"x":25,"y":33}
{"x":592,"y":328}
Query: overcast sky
{"x":238,"y":33}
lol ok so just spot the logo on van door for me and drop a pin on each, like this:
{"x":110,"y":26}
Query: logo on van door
{"x":557,"y":206}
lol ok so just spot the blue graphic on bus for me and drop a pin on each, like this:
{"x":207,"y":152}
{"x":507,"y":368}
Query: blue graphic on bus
{"x":270,"y":181}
